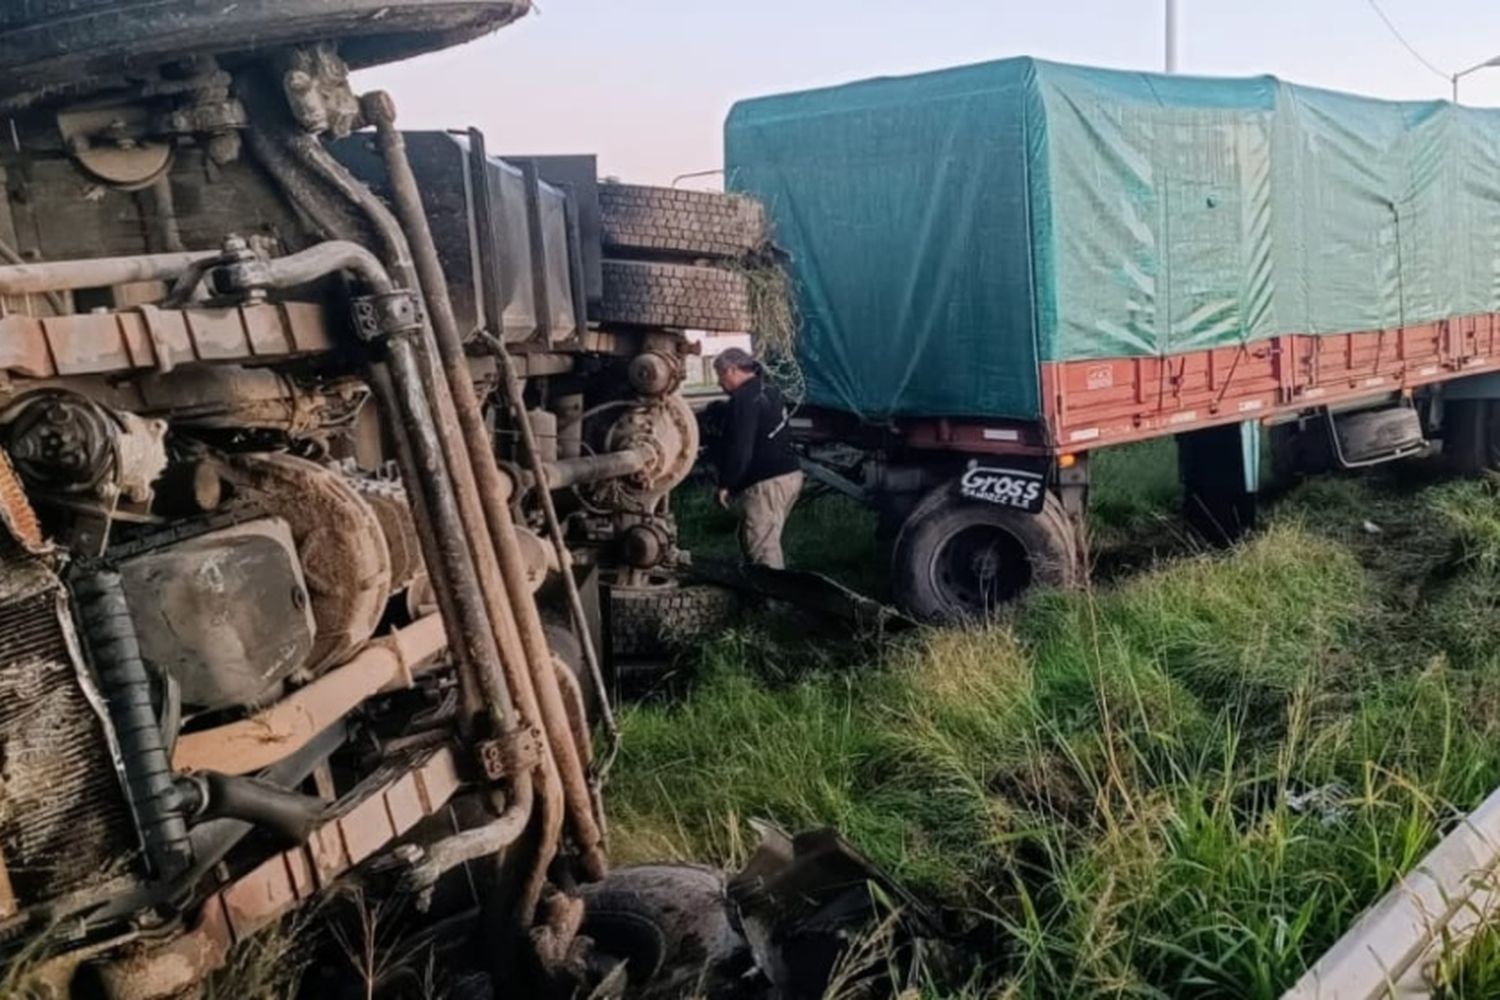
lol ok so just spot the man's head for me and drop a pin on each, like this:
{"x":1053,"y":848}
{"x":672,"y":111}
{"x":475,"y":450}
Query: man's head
{"x":734,"y":368}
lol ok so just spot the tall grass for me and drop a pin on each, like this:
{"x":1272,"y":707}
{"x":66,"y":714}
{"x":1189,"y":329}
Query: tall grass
{"x":1187,"y":783}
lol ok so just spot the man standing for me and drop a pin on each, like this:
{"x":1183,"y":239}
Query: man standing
{"x":756,"y":460}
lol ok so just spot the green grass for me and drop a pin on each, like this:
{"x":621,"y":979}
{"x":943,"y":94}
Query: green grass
{"x":1185,"y":783}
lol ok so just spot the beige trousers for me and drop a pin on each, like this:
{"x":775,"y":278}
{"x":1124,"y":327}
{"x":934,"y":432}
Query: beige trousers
{"x":765,"y":509}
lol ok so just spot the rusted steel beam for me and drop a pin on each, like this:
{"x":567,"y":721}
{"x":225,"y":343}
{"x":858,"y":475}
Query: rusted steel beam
{"x":257,"y":742}
{"x":147,"y":338}
{"x":284,"y":881}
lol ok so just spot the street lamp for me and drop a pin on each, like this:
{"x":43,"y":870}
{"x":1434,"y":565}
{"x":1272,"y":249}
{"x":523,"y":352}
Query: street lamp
{"x":1172,"y":36}
{"x":1463,"y":73}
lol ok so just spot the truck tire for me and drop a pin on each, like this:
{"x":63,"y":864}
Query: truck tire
{"x":671,"y":927}
{"x":660,"y":620}
{"x":958,"y":560}
{"x":638,"y":293}
{"x":75,"y":46}
{"x":658,"y":220}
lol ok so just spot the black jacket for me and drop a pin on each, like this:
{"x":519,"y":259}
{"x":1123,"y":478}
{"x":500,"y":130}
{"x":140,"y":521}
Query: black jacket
{"x":757,"y":441}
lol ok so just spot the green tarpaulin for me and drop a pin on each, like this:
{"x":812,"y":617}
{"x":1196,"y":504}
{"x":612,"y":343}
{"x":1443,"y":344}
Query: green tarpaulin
{"x":950,"y":231}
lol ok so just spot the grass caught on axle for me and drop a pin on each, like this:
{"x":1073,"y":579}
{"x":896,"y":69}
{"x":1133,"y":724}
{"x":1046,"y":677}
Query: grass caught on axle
{"x":1188,"y":782}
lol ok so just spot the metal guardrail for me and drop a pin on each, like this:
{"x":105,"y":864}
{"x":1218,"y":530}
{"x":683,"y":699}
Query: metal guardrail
{"x":1393,"y":951}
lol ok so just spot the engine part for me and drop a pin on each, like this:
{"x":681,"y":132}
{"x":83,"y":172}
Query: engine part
{"x":65,"y":825}
{"x":108,"y":144}
{"x":665,"y":430}
{"x":66,"y":445}
{"x":289,"y":815}
{"x":388,"y":499}
{"x":346,"y":562}
{"x":109,"y":631}
{"x":655,"y":373}
{"x":645,"y":545}
{"x":316,"y":82}
{"x":532,"y":244}
{"x":226,"y":614}
{"x":483,"y":841}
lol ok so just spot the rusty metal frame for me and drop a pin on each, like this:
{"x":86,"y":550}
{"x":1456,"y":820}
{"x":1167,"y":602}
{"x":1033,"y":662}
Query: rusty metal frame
{"x":283,"y":882}
{"x":147,"y":338}
{"x":255,"y":743}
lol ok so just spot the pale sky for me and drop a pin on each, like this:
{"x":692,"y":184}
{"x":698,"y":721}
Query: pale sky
{"x":646,"y":84}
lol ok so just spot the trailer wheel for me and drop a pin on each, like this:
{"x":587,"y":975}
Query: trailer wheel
{"x":957,"y":560}
{"x":641,"y":293}
{"x":661,"y":220}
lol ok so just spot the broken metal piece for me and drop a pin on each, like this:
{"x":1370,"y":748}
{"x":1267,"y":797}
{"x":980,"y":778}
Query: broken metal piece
{"x":803,"y":903}
{"x":808,"y":591}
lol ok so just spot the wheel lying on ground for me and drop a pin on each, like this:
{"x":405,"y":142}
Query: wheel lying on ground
{"x":680,"y":296}
{"x":669,"y":221}
{"x":670,"y":925}
{"x":958,"y":560}
{"x":664,"y":619}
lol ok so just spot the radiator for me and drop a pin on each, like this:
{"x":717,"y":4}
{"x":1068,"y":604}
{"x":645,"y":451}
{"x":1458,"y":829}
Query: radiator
{"x":65,"y":825}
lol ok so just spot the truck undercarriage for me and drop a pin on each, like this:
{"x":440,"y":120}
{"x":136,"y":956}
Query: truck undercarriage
{"x":316,"y":477}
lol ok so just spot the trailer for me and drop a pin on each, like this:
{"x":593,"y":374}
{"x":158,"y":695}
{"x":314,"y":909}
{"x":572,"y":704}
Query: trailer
{"x":1003,"y":268}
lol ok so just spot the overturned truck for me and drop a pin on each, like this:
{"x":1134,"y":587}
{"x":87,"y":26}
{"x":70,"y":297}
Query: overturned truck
{"x":325,"y":453}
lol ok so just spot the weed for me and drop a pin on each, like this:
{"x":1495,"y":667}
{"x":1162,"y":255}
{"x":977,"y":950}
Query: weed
{"x":1187,"y":782}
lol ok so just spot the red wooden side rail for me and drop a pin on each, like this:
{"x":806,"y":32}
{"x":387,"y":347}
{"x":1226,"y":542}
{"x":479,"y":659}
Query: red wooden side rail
{"x":1095,"y":403}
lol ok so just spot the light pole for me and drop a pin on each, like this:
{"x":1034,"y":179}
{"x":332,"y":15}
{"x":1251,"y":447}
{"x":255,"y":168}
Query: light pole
{"x":1172,"y":37}
{"x":1463,"y":73}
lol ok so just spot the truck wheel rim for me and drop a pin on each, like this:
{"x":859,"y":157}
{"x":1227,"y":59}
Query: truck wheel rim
{"x":978,"y":568}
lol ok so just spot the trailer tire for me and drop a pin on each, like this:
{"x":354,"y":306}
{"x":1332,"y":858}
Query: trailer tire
{"x":957,"y":560}
{"x":660,"y":620}
{"x":641,"y":293}
{"x":657,"y":220}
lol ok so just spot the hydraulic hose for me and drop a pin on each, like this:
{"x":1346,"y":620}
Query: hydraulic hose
{"x":116,"y":654}
{"x":289,"y":815}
